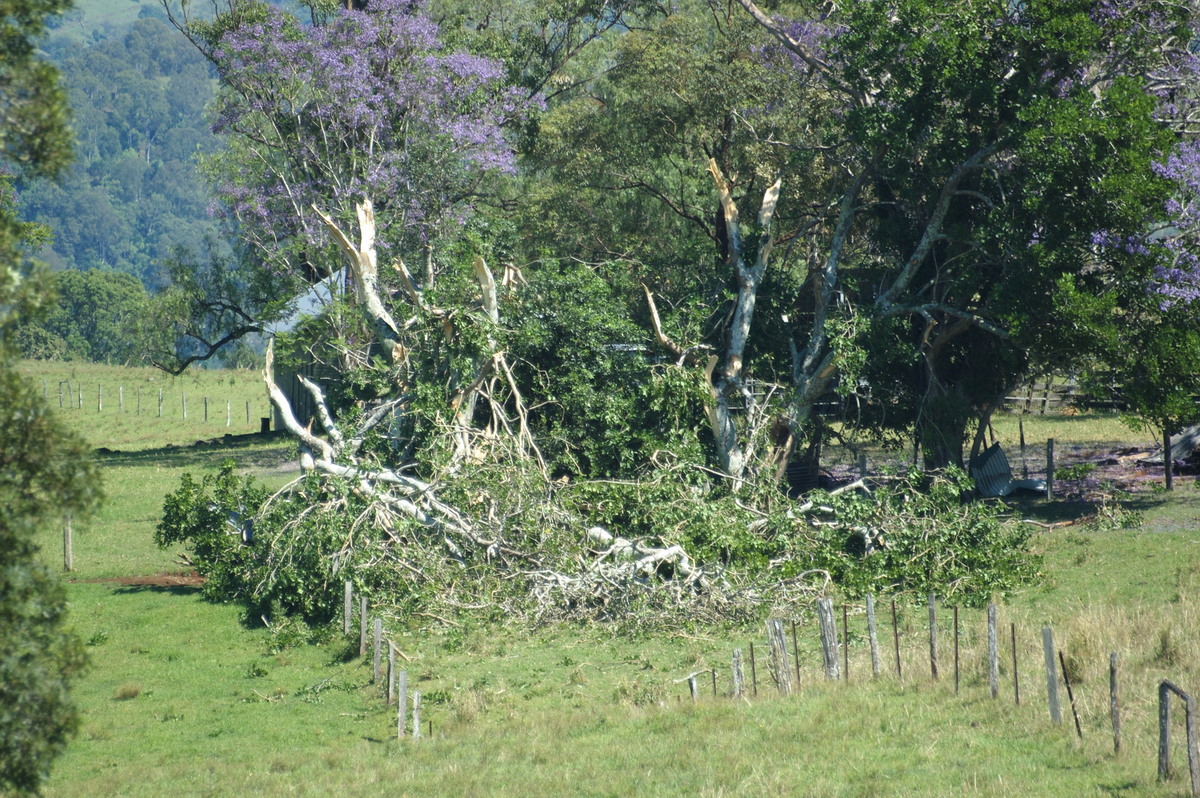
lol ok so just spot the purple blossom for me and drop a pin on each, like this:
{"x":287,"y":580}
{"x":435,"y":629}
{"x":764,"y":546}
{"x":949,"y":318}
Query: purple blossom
{"x":1177,"y":240}
{"x":368,"y":105}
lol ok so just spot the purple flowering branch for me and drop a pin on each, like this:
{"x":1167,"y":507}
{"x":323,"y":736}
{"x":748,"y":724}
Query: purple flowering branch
{"x":366,"y":107}
{"x":1177,"y":278}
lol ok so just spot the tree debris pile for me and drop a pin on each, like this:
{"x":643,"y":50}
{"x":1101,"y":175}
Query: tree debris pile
{"x":498,"y":540}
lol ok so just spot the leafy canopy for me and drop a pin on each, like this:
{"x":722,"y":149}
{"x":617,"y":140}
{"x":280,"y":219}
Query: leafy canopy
{"x":43,"y":470}
{"x":367,"y":105}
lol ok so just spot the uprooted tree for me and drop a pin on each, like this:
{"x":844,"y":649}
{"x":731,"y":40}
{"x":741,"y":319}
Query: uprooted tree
{"x":350,"y":144}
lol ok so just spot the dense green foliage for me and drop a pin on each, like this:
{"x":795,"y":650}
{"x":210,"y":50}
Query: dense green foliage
{"x":133,"y":196}
{"x":602,"y":407}
{"x":44,"y":472}
{"x":44,"y":475}
{"x":98,"y":316}
{"x":923,"y":535}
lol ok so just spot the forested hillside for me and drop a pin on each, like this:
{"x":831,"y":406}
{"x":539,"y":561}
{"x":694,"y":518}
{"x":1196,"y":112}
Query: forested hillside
{"x":133,"y":195}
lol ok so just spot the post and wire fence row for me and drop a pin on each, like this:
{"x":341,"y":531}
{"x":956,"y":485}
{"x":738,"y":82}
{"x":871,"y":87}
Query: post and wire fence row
{"x":158,"y":402}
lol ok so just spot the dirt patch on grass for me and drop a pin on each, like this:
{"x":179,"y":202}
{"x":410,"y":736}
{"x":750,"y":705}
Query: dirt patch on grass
{"x":150,"y":580}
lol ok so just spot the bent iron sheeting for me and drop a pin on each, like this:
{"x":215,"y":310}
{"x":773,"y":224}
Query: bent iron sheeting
{"x":993,"y":476}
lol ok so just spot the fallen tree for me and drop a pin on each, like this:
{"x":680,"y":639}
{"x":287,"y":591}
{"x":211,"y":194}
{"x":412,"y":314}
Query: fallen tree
{"x":422,"y":478}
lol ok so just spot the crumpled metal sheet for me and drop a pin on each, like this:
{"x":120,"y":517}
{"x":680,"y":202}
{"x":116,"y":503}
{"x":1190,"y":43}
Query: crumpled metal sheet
{"x":993,"y":475}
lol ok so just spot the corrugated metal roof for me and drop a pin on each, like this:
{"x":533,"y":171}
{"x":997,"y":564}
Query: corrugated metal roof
{"x":993,"y":475}
{"x":991,"y":472}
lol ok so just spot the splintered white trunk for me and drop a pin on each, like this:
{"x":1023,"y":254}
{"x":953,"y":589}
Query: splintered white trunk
{"x":736,"y":443}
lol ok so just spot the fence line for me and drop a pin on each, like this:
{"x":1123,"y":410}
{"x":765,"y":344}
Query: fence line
{"x":71,"y":397}
{"x":787,"y":675}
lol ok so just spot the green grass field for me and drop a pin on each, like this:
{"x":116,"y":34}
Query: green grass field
{"x":186,"y":697}
{"x":102,"y":403}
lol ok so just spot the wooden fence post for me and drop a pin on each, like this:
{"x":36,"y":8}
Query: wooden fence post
{"x":121,"y":398}
{"x":1049,"y":468}
{"x":1164,"y":731}
{"x":139,"y":401}
{"x":873,"y":636}
{"x":993,"y":642}
{"x":1168,"y":465}
{"x":845,"y":644}
{"x":160,"y":401}
{"x":347,"y":607}
{"x":362,"y":626}
{"x":376,"y":650}
{"x":206,"y":410}
{"x":391,"y":673}
{"x":1164,"y":734}
{"x":779,"y":657}
{"x":795,"y":656}
{"x":1051,"y":674}
{"x":1114,"y":703}
{"x":401,"y":703}
{"x":228,"y":413}
{"x":183,"y":398}
{"x":933,"y":651}
{"x":828,"y":639}
{"x":68,"y":546}
{"x":416,"y":729}
{"x":753,"y":673}
{"x":1070,"y":694}
{"x":99,"y":397}
{"x":896,"y":640}
{"x":739,"y":677}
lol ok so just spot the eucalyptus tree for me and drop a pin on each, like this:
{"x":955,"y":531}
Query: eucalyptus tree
{"x":618,"y":173}
{"x":894,"y":201}
{"x":978,"y":148}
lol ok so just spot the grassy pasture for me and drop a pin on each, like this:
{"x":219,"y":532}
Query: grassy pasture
{"x":101,"y":419}
{"x":190,"y":698}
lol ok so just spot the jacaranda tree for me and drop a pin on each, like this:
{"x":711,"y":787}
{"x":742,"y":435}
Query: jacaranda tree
{"x":356,"y":148}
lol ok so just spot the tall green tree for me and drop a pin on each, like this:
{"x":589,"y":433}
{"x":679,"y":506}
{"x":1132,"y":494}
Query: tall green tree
{"x":976,"y":149}
{"x":97,"y":315}
{"x":43,"y":470}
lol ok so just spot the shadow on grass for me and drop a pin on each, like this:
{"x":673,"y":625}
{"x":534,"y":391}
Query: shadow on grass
{"x":165,"y":590}
{"x":253,"y":450}
{"x":1058,"y":511}
{"x":346,"y":652}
